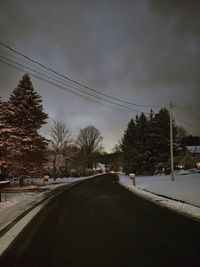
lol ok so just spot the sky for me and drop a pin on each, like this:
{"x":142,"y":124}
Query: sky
{"x":142,"y":51}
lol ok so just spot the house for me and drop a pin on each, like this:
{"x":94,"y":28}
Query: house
{"x":98,"y":167}
{"x":193,"y":150}
{"x":188,"y":157}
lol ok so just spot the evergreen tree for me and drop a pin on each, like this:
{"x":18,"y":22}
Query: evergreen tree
{"x":141,"y":144}
{"x":2,"y":125}
{"x":150,"y":144}
{"x":4,"y":131}
{"x":129,"y":152}
{"x":190,"y":140}
{"x":27,"y":105}
{"x":135,"y":150}
{"x":8,"y":134}
{"x":25,"y":117}
{"x":162,"y":138}
{"x":145,"y":145}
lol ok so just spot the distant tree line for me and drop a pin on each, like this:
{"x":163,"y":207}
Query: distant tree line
{"x":24,"y":152}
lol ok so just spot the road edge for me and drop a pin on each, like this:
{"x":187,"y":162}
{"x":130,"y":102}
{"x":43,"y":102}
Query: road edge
{"x":13,"y":229}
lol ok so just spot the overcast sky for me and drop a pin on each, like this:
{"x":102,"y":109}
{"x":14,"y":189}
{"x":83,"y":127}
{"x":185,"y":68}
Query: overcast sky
{"x":142,"y":51}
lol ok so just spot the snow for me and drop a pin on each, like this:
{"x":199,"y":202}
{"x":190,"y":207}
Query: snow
{"x":158,"y":189}
{"x":18,"y":199}
{"x":10,"y":235}
{"x":181,"y":195}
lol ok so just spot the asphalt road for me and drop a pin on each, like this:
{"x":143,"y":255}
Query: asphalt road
{"x":99,"y":223}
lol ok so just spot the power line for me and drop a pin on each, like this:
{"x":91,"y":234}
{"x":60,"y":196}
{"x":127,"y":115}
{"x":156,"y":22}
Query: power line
{"x":189,"y":108}
{"x":187,"y":123}
{"x":188,"y":112}
{"x":66,"y":89}
{"x":74,"y":81}
{"x":64,"y":83}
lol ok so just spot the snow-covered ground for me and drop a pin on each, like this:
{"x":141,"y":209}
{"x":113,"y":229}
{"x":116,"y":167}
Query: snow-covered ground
{"x":182,"y":195}
{"x":185,"y":188}
{"x":158,"y":189}
{"x":15,"y":195}
{"x":18,"y":199}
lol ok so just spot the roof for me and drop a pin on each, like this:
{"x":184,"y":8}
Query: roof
{"x":194,"y":149}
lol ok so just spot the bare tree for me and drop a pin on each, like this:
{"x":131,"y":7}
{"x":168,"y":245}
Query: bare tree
{"x":60,"y":146}
{"x":117,"y":147}
{"x":89,"y":142}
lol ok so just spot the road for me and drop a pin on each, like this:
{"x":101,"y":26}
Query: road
{"x":99,"y":223}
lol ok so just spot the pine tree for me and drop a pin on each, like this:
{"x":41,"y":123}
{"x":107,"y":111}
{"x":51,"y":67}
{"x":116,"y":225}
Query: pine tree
{"x":27,"y":105}
{"x":160,"y":140}
{"x":6,"y":131}
{"x":9,"y":137}
{"x":143,"y":152}
{"x":150,"y":143}
{"x":28,"y":151}
{"x":162,"y":137}
{"x":145,"y":145}
{"x":3,"y":132}
{"x":128,"y":147}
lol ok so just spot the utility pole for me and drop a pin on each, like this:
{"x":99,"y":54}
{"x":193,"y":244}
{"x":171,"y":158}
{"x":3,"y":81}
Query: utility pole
{"x":171,"y":142}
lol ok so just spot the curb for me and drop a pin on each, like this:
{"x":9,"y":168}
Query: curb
{"x":171,"y":204}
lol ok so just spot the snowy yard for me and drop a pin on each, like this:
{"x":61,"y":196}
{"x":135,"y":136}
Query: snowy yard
{"x":185,"y":188}
{"x":19,"y":199}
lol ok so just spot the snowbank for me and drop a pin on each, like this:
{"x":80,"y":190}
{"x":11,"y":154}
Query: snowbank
{"x":182,"y":195}
{"x":20,"y":199}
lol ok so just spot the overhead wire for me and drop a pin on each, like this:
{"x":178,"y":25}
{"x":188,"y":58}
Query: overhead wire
{"x":186,"y":123}
{"x":74,"y":81}
{"x":181,"y":109}
{"x":189,"y":108}
{"x":54,"y":82}
{"x":21,"y":60}
{"x":189,"y":113}
{"x":63,"y":88}
{"x":71,"y":86}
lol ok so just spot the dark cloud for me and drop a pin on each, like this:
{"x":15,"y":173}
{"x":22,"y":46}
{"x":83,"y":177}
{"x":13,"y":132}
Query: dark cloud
{"x":143,"y":51}
{"x":184,"y":13}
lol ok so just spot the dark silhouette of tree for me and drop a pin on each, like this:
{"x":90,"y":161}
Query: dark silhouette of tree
{"x":146,"y":143}
{"x":60,"y":148}
{"x":129,"y":150}
{"x":89,"y":142}
{"x":190,"y":140}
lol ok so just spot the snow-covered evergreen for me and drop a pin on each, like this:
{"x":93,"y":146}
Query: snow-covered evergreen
{"x":27,"y":105}
{"x":23,"y":149}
